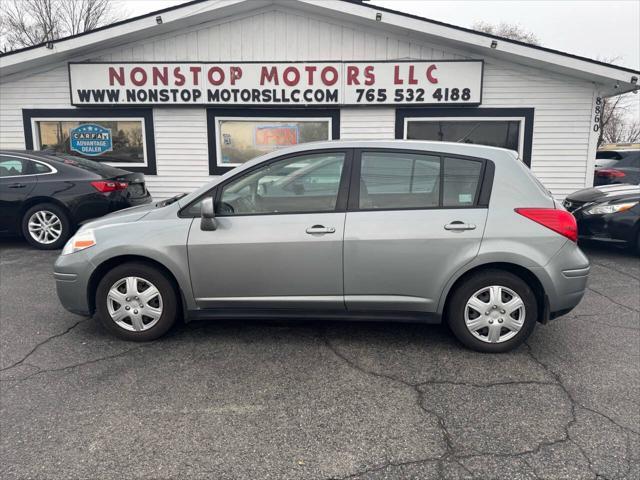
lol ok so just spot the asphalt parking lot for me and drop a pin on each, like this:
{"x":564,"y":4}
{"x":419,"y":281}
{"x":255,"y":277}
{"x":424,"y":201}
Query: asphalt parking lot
{"x":301,"y":400}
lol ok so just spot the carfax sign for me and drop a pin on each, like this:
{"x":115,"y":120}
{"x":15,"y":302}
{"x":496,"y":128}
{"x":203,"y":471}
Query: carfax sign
{"x":281,"y":84}
{"x":91,"y":139}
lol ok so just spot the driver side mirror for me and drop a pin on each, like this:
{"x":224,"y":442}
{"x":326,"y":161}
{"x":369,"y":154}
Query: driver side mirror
{"x":207,"y":215}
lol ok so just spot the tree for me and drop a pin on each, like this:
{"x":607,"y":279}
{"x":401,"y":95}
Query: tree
{"x":618,"y":116}
{"x":619,"y":122}
{"x":24,"y":23}
{"x":507,"y":30}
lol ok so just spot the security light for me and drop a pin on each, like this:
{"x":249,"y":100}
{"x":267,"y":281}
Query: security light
{"x":494,"y":44}
{"x":49,"y":45}
{"x":378,"y":17}
{"x":159,"y":20}
{"x":634,"y":80}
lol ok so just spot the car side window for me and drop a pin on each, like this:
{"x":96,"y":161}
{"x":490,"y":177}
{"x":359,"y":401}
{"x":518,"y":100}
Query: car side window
{"x":12,"y":167}
{"x":396,"y":180}
{"x":461,"y":178}
{"x":40,"y":168}
{"x":305,"y":183}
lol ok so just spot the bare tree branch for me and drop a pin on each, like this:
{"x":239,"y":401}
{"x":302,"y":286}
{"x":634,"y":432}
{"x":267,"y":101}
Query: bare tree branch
{"x":619,"y":122}
{"x":24,"y":23}
{"x":507,"y":30}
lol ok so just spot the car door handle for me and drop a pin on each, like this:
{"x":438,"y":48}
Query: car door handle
{"x":320,"y":229}
{"x":459,"y":226}
{"x":17,"y":185}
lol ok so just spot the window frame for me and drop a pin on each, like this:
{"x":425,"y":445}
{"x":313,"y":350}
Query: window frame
{"x":51,"y":168}
{"x":143,"y":115}
{"x":341,"y":200}
{"x":481,"y":197}
{"x":215,"y":115}
{"x":525,"y":115}
{"x":520,"y":120}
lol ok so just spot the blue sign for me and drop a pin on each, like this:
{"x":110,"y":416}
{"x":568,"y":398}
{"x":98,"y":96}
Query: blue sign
{"x":91,"y":139}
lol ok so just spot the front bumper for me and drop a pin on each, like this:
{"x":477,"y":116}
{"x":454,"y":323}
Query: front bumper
{"x":72,"y":274}
{"x":613,"y":227}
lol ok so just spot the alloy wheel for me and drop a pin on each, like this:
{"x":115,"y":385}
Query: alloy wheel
{"x":494,"y":314}
{"x":45,"y":227}
{"x":134,"y":304}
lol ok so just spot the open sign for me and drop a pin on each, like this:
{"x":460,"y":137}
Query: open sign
{"x":279,"y":135}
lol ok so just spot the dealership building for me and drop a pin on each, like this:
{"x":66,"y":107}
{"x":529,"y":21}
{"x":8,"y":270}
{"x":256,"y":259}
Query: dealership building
{"x":195,"y":90}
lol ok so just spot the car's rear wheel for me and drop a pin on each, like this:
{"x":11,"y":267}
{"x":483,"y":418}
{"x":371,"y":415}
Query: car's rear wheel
{"x":46,"y":226}
{"x":492,"y":311}
{"x":136,"y":301}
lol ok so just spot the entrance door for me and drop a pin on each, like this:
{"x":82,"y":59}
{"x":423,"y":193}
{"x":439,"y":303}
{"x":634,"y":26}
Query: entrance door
{"x":413,"y":220}
{"x":278,"y":241}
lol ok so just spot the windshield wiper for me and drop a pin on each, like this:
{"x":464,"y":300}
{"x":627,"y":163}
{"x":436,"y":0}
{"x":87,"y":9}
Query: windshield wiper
{"x":171,"y":200}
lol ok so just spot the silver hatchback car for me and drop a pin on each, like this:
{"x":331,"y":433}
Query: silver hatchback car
{"x":393,"y":230}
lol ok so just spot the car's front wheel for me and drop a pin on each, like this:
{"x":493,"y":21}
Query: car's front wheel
{"x":136,"y":301}
{"x":492,"y":311}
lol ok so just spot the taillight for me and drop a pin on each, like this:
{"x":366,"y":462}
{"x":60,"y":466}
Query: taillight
{"x":609,"y":173}
{"x":560,"y":221}
{"x":106,"y":186}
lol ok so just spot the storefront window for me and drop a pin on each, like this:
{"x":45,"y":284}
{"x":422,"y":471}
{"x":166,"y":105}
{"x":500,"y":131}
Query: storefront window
{"x":495,"y":133}
{"x":240,"y":140}
{"x":113,"y":141}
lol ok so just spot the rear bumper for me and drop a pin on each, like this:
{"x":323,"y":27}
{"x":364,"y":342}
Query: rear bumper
{"x":122,"y":201}
{"x":95,"y":205}
{"x":564,"y":279}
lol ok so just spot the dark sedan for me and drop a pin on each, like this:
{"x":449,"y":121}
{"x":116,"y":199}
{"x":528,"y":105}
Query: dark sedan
{"x":609,"y":213}
{"x":625,"y":170}
{"x":45,"y":196}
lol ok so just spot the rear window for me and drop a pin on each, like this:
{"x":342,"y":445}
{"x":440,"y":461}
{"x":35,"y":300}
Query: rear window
{"x":608,"y":155}
{"x":88,"y":165}
{"x":629,"y":161}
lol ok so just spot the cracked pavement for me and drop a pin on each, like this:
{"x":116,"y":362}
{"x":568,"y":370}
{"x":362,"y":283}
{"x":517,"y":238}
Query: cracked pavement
{"x":317,"y":400}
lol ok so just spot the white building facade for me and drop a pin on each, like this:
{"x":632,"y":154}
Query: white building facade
{"x":190,"y":92}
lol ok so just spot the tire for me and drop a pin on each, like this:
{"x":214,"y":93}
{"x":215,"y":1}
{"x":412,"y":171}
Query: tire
{"x":478,"y":288}
{"x":124,"y":322}
{"x":50,"y":216}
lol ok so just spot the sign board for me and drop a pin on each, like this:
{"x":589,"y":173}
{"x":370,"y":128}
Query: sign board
{"x":443,"y":82}
{"x":279,"y":135}
{"x":91,"y":139}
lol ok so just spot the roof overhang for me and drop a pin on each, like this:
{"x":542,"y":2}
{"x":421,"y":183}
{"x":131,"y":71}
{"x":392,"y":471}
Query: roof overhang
{"x":139,"y":28}
{"x":612,"y":79}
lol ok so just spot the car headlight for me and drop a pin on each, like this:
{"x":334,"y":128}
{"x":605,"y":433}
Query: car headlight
{"x":610,"y":208}
{"x":79,"y":241}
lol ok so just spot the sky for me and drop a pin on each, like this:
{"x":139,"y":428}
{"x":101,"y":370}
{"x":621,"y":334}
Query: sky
{"x":600,"y":29}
